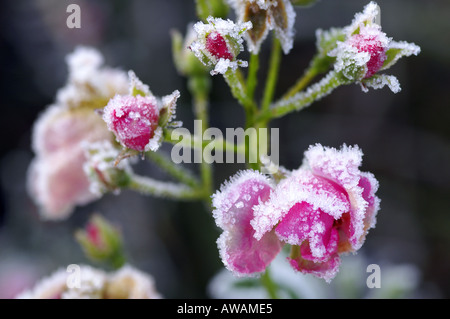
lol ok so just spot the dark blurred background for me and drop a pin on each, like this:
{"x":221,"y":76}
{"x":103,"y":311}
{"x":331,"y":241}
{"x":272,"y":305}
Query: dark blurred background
{"x":405,"y":137}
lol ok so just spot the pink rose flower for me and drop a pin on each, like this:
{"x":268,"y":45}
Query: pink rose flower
{"x":322,"y":209}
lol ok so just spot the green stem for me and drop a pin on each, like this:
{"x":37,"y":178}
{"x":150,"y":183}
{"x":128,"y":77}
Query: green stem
{"x":177,"y":171}
{"x":201,"y":110}
{"x":150,"y":186}
{"x":238,"y":88}
{"x":117,"y":260}
{"x":252,"y":77}
{"x":269,"y":284}
{"x":203,"y":9}
{"x":305,"y":98}
{"x":304,"y":81}
{"x":272,"y":76}
{"x":190,"y":141}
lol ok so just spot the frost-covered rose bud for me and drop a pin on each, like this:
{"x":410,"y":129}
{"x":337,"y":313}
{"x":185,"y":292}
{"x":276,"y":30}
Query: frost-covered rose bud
{"x":374,"y":43}
{"x":322,"y":210}
{"x":367,"y":50}
{"x":218,"y":44}
{"x":132,"y":119}
{"x":137,"y":119}
{"x":266,"y":15}
{"x":101,"y":241}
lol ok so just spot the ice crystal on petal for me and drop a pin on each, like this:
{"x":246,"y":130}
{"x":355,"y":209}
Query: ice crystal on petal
{"x":301,"y":186}
{"x":234,"y":202}
{"x":322,"y":209}
{"x":133,"y":120}
{"x":342,"y":167}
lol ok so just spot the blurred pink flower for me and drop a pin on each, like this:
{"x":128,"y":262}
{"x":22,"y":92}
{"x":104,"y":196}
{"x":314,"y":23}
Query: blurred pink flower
{"x":56,"y":179}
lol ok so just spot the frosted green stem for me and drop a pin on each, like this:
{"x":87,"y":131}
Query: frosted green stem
{"x":252,"y":77}
{"x":272,"y":76}
{"x":150,"y":186}
{"x":238,"y":88}
{"x":177,"y":171}
{"x":305,"y":98}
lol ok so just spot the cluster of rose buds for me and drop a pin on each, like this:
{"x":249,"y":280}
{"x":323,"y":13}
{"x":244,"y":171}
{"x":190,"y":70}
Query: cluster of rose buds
{"x":323,"y":209}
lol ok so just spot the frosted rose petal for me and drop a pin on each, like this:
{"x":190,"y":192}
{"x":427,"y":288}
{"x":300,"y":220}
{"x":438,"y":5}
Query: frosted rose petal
{"x":239,"y":250}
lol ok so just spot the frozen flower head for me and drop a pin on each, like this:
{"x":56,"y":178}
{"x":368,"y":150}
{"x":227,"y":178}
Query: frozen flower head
{"x":132,"y":119}
{"x":322,"y":209}
{"x":130,"y":283}
{"x":266,"y":15}
{"x":56,"y":179}
{"x":135,"y":118}
{"x":367,"y":50}
{"x":218,"y":43}
{"x":240,"y":251}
